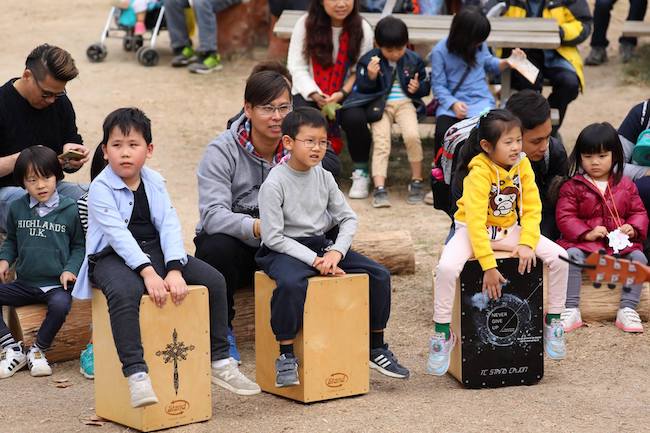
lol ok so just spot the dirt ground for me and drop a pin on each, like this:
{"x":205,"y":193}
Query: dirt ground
{"x":601,"y":386}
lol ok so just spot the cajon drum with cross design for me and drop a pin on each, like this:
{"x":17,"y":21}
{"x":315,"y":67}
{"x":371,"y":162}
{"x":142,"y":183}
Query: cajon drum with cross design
{"x":500,"y":342}
{"x":176,"y":342}
{"x":332,"y":346}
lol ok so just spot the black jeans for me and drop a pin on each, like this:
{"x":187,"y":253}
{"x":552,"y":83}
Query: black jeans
{"x":566,"y":86}
{"x":58,"y":302}
{"x":290,"y":275}
{"x":124,"y":288}
{"x":602,"y":14}
{"x":230,"y":256}
{"x":355,"y":124}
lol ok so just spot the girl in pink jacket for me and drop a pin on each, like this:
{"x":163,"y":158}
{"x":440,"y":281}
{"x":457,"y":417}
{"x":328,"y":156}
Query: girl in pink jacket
{"x":598,"y":208}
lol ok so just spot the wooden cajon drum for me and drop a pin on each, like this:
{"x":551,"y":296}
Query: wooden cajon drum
{"x":176,"y":342}
{"x":332,"y":346}
{"x":500,"y":342}
{"x":24,"y":323}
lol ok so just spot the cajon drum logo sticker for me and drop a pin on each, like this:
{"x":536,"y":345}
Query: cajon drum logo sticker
{"x":336,"y":380}
{"x":175,"y":351}
{"x":177,"y":407}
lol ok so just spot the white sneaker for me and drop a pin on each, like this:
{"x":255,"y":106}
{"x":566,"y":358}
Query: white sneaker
{"x":571,"y":319}
{"x":12,"y":360}
{"x":628,"y":320}
{"x":360,"y":184}
{"x":37,"y":363}
{"x":554,"y":341}
{"x":142,"y":393}
{"x":230,"y":378}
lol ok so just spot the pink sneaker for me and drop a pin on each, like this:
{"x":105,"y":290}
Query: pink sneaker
{"x":139,"y":28}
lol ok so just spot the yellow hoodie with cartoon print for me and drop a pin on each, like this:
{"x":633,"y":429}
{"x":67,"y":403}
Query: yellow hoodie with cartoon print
{"x":488,"y":207}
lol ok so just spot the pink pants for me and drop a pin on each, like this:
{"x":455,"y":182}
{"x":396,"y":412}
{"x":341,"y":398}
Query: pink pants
{"x":459,"y":250}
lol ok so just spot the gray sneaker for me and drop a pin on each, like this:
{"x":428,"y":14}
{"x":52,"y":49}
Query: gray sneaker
{"x":626,"y":51}
{"x":597,"y":56}
{"x":416,"y":192}
{"x":286,"y":370}
{"x":184,"y":57}
{"x":380,"y":198}
{"x":230,"y":378}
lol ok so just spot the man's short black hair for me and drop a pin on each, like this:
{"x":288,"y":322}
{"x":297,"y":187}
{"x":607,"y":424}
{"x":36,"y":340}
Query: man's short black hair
{"x":127,"y":119}
{"x":265,"y":86}
{"x":530,"y":107}
{"x":302,"y":116}
{"x":41,"y":160}
{"x":391,"y":32}
{"x":51,"y":60}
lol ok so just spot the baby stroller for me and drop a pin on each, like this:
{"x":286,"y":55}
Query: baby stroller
{"x":120,"y":24}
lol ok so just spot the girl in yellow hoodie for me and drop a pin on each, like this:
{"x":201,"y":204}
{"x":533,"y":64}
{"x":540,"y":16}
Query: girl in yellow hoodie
{"x":499,"y":190}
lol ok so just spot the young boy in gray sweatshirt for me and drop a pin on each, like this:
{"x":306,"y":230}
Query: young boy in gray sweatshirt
{"x":299,"y":202}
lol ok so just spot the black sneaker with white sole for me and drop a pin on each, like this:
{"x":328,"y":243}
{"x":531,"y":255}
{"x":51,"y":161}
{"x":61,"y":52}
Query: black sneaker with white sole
{"x":385,"y":362}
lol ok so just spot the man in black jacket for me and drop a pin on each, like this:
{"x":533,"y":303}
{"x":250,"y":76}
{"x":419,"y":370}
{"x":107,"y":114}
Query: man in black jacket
{"x":34,"y":109}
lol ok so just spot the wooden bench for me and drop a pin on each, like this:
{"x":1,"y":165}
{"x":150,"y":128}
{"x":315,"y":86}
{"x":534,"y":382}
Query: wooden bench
{"x":424,"y":29}
{"x":636,"y":29}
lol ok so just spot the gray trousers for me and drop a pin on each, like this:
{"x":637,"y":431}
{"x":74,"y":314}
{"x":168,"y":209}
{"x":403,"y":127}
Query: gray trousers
{"x":205,"y":14}
{"x":628,"y":299}
{"x":124,"y":288}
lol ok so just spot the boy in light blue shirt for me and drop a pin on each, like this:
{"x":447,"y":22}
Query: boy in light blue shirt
{"x":134,"y":245}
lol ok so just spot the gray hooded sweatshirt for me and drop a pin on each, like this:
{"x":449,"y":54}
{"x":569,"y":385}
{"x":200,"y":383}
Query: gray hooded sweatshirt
{"x":229,"y":179}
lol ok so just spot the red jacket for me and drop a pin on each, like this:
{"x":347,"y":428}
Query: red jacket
{"x":581,"y":207}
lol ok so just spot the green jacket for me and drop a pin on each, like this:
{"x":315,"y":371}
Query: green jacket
{"x":43,"y":248}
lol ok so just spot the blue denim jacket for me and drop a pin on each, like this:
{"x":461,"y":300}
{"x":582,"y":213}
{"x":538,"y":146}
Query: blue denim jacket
{"x":110,"y":204}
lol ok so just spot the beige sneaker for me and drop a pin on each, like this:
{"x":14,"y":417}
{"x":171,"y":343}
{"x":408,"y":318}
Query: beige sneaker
{"x":230,"y":378}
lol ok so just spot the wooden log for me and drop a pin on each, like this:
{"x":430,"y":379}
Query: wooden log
{"x":24,"y":323}
{"x":244,"y":322}
{"x":393,"y":249}
{"x":601,"y":304}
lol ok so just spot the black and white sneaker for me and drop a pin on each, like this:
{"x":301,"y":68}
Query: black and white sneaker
{"x":12,"y":359}
{"x":384,"y":361}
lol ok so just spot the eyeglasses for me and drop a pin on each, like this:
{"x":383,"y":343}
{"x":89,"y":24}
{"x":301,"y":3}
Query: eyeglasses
{"x":310,"y":144}
{"x":46,"y":94}
{"x":268,"y":110}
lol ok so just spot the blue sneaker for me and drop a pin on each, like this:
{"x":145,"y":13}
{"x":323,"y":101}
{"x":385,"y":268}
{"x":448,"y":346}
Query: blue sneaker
{"x":234,"y":353}
{"x":87,"y":362}
{"x":554,"y":342}
{"x":439,"y":353}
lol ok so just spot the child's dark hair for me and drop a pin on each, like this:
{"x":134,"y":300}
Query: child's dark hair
{"x":391,"y":32}
{"x":127,"y":119}
{"x":302,"y":116}
{"x":98,"y":162}
{"x":597,"y":138}
{"x":468,"y":29}
{"x":265,"y":86}
{"x":594,"y":138}
{"x":489,"y":128}
{"x":41,"y":160}
{"x":530,"y":107}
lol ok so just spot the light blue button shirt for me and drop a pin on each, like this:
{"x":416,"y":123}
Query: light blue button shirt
{"x":110,"y":204}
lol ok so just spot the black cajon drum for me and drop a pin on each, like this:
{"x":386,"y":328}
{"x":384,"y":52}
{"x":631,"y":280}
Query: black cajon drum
{"x":500,"y":342}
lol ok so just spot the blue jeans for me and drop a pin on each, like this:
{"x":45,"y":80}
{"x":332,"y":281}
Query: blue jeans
{"x":10,"y":193}
{"x":602,"y":14}
{"x":205,"y":14}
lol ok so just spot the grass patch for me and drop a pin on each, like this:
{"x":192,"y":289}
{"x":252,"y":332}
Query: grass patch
{"x":638,"y":69}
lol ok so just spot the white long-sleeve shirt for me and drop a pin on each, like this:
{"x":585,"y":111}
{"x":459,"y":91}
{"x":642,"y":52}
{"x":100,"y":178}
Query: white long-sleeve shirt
{"x":301,"y":68}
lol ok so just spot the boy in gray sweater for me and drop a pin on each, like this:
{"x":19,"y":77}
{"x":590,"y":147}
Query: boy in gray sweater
{"x":299,"y":202}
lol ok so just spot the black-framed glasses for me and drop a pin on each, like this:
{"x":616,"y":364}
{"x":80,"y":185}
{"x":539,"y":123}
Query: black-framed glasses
{"x":46,"y":94}
{"x":268,"y":110}
{"x":310,"y":144}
